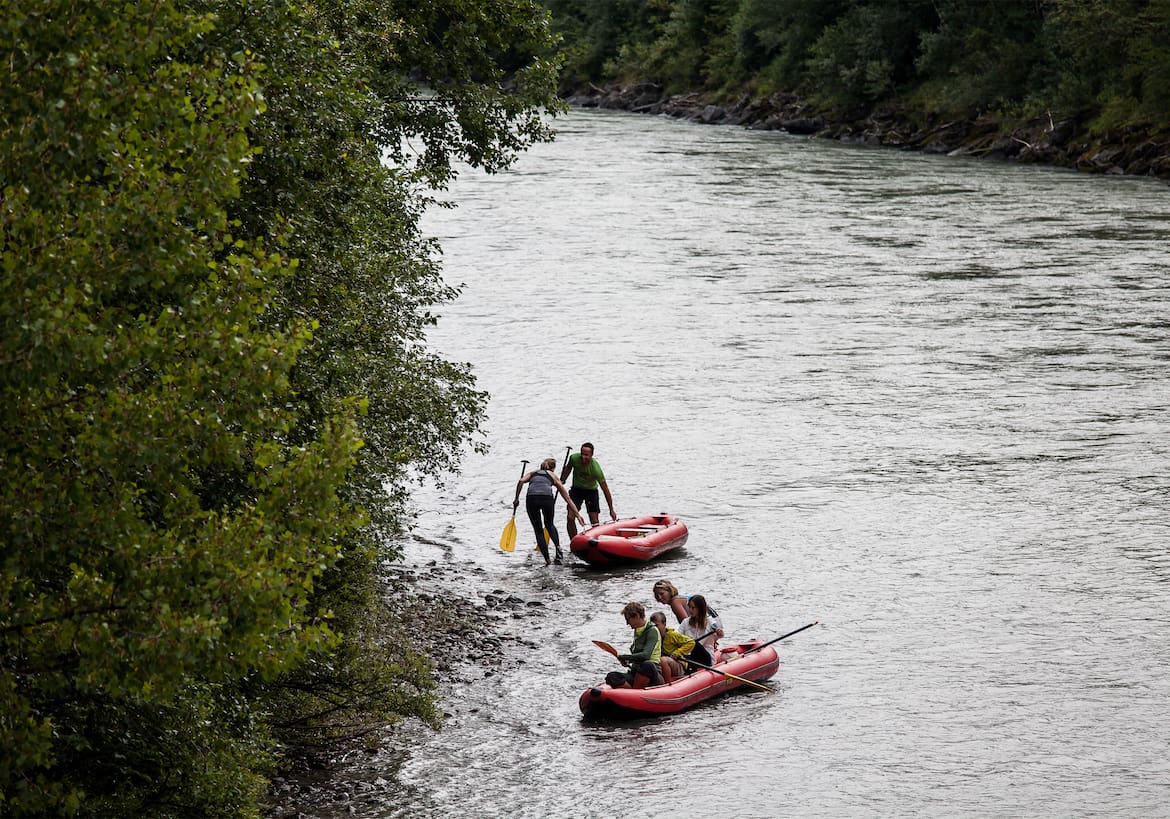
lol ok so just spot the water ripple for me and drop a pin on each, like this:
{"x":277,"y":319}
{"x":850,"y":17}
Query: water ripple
{"x":923,"y":400}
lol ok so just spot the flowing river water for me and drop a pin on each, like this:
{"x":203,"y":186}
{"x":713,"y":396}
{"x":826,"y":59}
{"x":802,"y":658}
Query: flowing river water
{"x":921,"y":400}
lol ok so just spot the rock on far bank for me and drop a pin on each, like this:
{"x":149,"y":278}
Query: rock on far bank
{"x":1048,"y":140}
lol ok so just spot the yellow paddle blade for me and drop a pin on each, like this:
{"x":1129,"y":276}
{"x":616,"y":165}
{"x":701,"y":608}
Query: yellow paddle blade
{"x":508,"y":538}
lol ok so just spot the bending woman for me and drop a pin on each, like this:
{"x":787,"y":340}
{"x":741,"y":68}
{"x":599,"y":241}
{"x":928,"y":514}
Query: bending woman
{"x":666,"y":593}
{"x":543,"y":486}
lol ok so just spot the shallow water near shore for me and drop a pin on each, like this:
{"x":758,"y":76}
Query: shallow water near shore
{"x":922,"y":400}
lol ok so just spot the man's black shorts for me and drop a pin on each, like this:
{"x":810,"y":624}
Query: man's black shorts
{"x":586,"y":496}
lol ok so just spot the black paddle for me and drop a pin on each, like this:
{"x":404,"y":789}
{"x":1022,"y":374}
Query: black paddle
{"x":749,"y":651}
{"x":778,"y":639}
{"x":568,"y":520}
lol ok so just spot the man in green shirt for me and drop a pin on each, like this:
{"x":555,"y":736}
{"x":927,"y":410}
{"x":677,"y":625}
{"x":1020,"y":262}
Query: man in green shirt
{"x":645,"y":652}
{"x":587,"y":477}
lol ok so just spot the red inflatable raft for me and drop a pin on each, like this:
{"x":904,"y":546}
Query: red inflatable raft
{"x":747,"y":660}
{"x":629,"y":540}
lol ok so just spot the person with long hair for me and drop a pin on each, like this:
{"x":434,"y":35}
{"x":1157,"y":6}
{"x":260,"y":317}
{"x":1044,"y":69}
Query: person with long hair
{"x":543,"y":486}
{"x":668,"y":594}
{"x":698,"y":624}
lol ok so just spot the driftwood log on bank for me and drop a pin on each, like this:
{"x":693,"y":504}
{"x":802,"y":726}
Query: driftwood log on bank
{"x":1049,"y":140}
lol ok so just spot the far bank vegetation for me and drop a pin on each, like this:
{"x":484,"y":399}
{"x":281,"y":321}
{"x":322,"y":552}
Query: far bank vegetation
{"x":1075,"y":82}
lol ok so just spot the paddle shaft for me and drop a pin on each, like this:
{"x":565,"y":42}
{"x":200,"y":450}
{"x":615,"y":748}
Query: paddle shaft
{"x":610,"y":649}
{"x":778,"y":639}
{"x":508,"y":538}
{"x":755,"y":648}
{"x":752,"y":683}
{"x":523,"y":469}
{"x":568,"y":450}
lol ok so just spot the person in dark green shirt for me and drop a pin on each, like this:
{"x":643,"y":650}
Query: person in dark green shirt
{"x":645,"y":652}
{"x":587,"y":477}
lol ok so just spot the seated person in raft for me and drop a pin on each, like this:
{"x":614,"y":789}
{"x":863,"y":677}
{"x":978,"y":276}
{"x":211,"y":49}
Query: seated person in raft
{"x":644,"y":656}
{"x":676,"y":648}
{"x":703,"y":627}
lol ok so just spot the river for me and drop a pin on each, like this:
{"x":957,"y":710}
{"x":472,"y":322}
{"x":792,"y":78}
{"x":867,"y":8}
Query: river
{"x":921,"y":400}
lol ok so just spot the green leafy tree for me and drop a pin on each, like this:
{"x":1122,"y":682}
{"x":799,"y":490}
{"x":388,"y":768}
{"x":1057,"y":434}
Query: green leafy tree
{"x":982,"y":55}
{"x":1109,"y":59}
{"x":603,"y":38}
{"x":773,"y":37}
{"x":214,"y":379}
{"x":1147,"y":73}
{"x":1102,"y":60}
{"x":435,"y":84}
{"x":868,"y":53}
{"x":138,"y":380}
{"x":690,"y":39}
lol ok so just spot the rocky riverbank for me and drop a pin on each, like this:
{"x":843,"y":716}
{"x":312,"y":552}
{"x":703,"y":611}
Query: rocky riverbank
{"x":469,"y":634}
{"x":1048,"y":140}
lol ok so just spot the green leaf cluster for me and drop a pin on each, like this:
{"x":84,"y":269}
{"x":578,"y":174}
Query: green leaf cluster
{"x":215,"y":384}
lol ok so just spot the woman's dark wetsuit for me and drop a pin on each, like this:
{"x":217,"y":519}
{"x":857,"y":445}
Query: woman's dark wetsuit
{"x":541,"y":498}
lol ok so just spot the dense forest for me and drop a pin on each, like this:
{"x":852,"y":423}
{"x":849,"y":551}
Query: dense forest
{"x":215,"y":385}
{"x":1084,"y":82}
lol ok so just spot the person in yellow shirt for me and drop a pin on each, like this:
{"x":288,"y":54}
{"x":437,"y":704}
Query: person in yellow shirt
{"x":676,"y":647}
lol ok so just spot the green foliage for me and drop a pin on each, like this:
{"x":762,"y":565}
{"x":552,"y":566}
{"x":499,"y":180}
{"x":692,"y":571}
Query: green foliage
{"x":603,"y":37}
{"x":867,"y":54}
{"x":981,"y":54}
{"x":372,"y":680}
{"x":1147,"y":70}
{"x":1082,"y":58}
{"x":214,"y":378}
{"x":773,"y":38}
{"x":678,"y":55}
{"x":1086,"y":39}
{"x":1113,"y":58}
{"x":135,"y":376}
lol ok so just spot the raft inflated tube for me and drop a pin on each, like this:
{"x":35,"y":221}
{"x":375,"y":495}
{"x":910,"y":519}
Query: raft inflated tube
{"x":629,"y":540}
